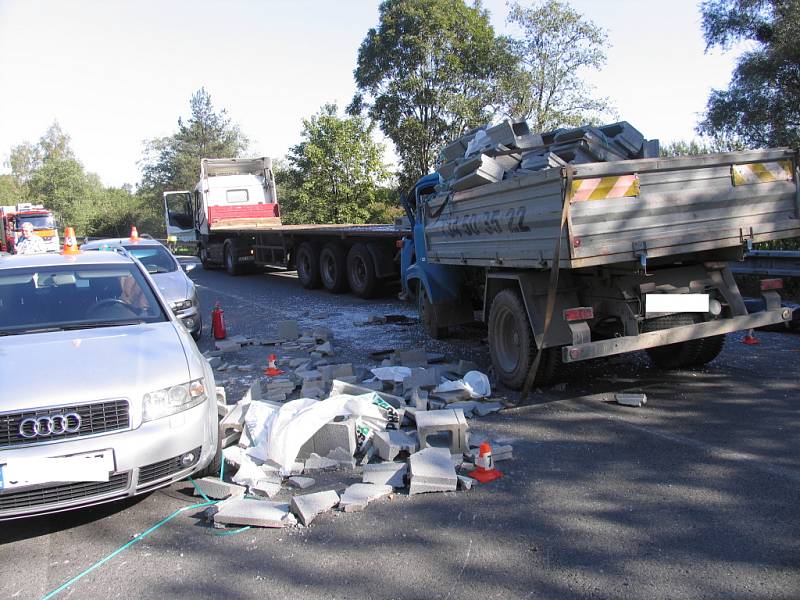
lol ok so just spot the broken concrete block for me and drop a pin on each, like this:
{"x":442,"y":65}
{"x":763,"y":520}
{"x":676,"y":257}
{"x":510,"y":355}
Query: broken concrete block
{"x":227,"y":346}
{"x":337,"y":371}
{"x":216,"y":489}
{"x":312,"y":390}
{"x":479,"y":170}
{"x":412,"y":358}
{"x":309,"y":506}
{"x":312,"y":375}
{"x":233,"y":455}
{"x":421,"y":378}
{"x":484,"y":408}
{"x":264,"y":487}
{"x":325,"y":349}
{"x":345,"y":459}
{"x":214,"y":361}
{"x":342,"y":387}
{"x":241,"y":340}
{"x":322,"y":334}
{"x":468,"y":406}
{"x":432,"y":470}
{"x":231,"y":426}
{"x":357,"y":496}
{"x":316,"y":462}
{"x":388,"y":444}
{"x":419,"y":399}
{"x":298,"y":362}
{"x":252,"y":393}
{"x":465,"y":483}
{"x":448,"y":421}
{"x":386,"y":473}
{"x":245,"y":368}
{"x":333,"y":435}
{"x":301,"y":482}
{"x":635,"y":400}
{"x":288,"y":330}
{"x":256,"y":513}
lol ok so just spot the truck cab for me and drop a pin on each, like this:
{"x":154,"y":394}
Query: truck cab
{"x":43,"y":221}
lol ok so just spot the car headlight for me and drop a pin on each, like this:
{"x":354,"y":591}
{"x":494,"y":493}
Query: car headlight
{"x":182,"y":305}
{"x":171,"y":400}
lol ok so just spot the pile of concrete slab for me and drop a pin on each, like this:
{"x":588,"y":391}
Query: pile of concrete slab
{"x":509,"y":149}
{"x":424,"y":444}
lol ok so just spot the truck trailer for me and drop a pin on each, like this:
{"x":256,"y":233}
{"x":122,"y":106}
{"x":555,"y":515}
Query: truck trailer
{"x":233,"y":216}
{"x":581,"y":261}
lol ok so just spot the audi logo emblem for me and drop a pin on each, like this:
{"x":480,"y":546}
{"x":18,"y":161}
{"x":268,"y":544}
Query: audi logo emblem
{"x":34,"y":427}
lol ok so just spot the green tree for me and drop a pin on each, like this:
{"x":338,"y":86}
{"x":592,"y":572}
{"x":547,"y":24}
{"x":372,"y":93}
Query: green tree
{"x":10,"y":190}
{"x":336,"y":171}
{"x":173,"y":162}
{"x":762,"y":103}
{"x":556,"y":44}
{"x":702,"y":146}
{"x":427,"y":73}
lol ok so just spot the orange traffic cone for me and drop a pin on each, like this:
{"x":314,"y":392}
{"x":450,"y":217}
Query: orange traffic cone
{"x":134,"y":234}
{"x":750,"y":339}
{"x":272,"y":369}
{"x":70,"y":243}
{"x":484,"y":465}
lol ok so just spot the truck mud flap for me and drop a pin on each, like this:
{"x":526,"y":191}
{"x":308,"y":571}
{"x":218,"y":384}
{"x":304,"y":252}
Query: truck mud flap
{"x":662,"y":337}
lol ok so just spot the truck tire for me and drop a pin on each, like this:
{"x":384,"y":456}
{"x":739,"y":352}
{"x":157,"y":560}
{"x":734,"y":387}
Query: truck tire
{"x":333,"y":267}
{"x":205,"y":260}
{"x":710,"y":349}
{"x":674,"y":356}
{"x":361,"y":272}
{"x":231,"y":264}
{"x":307,"y":263}
{"x":512,"y":346}
{"x":427,"y":315}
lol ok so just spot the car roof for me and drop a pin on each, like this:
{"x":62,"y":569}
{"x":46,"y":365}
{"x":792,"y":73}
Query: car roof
{"x":53,"y":259}
{"x":95,"y":244}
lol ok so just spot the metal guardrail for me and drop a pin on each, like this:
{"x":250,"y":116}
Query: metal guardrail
{"x":772,"y":263}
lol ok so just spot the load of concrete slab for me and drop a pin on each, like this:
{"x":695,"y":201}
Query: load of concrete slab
{"x":509,"y":149}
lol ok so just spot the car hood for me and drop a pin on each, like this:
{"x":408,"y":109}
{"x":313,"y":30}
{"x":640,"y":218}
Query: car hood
{"x":73,"y":367}
{"x":173,"y":286}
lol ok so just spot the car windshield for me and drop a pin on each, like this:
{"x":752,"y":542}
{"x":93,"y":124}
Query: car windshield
{"x":38,"y":221}
{"x":156,"y":259}
{"x":75,"y":297}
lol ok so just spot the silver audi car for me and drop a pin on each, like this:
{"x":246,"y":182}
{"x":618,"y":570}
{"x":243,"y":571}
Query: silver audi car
{"x":105,"y":395}
{"x":168,"y":274}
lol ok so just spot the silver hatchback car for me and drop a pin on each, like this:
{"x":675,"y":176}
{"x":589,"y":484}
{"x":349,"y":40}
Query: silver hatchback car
{"x":105,"y":395}
{"x":168,"y":274}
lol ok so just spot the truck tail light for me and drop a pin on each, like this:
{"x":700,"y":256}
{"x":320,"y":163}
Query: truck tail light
{"x":581,"y":313}
{"x":771,"y":284}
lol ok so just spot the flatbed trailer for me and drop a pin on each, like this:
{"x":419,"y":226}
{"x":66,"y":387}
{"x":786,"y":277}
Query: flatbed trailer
{"x":562,"y":263}
{"x":234,"y":218}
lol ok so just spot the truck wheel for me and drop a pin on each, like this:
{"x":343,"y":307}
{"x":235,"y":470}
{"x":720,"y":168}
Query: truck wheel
{"x":231,"y":265}
{"x":512,"y":346}
{"x":427,"y":315}
{"x":205,"y":260}
{"x":307,"y":262}
{"x":710,"y":349}
{"x":674,"y":356}
{"x":333,"y":267}
{"x":361,"y":272}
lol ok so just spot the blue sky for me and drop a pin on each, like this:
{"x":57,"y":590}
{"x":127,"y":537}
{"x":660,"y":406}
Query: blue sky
{"x":115,"y":72}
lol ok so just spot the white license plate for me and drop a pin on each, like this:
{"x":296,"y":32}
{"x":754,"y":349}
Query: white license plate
{"x":246,"y":258}
{"x":24,"y":472}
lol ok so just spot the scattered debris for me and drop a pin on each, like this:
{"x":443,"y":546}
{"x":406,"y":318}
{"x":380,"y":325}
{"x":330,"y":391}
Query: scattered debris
{"x":449,"y":421}
{"x":309,"y":506}
{"x":288,"y":330}
{"x":257,"y":513}
{"x":216,"y":489}
{"x":357,"y":496}
{"x":432,"y":470}
{"x":388,"y":444}
{"x":635,"y":400}
{"x":301,"y":482}
{"x":386,"y":473}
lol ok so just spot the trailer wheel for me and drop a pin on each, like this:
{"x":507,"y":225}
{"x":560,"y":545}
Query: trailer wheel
{"x":710,"y":349}
{"x":333,"y":267}
{"x":231,"y":266}
{"x":427,"y":315}
{"x":361,"y":272}
{"x":512,"y":346}
{"x":307,"y":263}
{"x":674,"y":356}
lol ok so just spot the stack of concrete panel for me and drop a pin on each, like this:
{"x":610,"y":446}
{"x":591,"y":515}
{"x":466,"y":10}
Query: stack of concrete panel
{"x":432,"y":470}
{"x":476,"y":171}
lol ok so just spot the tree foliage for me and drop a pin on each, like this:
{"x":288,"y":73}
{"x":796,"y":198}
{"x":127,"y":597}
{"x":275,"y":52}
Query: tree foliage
{"x":555,"y":45}
{"x":48,"y":173}
{"x":427,"y":73}
{"x":335,"y":172}
{"x":173,"y":162}
{"x":696,"y":147}
{"x":762,"y":103}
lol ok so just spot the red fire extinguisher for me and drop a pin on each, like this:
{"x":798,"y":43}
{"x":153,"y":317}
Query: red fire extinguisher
{"x":218,"y":323}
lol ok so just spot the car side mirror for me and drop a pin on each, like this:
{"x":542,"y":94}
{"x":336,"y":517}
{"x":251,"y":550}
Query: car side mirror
{"x":188,"y":266}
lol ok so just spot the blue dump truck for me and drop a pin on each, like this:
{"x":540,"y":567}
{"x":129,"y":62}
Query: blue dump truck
{"x":569,"y":261}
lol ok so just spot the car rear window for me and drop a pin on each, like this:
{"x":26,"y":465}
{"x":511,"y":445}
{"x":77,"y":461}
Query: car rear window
{"x":75,"y":297}
{"x":156,"y":259}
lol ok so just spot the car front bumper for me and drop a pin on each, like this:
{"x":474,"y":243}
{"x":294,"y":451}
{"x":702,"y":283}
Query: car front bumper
{"x":190,"y":318}
{"x":145,"y":458}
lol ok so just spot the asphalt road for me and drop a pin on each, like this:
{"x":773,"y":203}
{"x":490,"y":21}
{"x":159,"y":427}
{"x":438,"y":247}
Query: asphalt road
{"x":695,"y":495}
